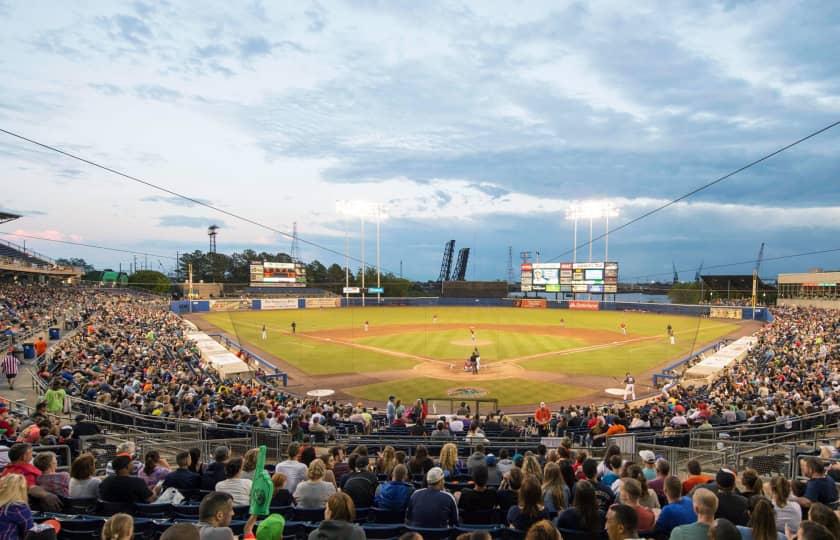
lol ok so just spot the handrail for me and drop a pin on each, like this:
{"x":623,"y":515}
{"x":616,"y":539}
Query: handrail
{"x":29,"y":252}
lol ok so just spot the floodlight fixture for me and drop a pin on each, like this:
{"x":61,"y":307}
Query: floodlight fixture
{"x":591,"y":210}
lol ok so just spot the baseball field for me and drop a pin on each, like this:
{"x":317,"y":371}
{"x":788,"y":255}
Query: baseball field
{"x":527,"y":355}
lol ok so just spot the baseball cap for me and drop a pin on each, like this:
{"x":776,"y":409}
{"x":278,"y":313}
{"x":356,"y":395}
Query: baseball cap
{"x":647,"y":456}
{"x":490,"y":460}
{"x":434,"y":475}
{"x":725,"y":478}
{"x":271,"y":527}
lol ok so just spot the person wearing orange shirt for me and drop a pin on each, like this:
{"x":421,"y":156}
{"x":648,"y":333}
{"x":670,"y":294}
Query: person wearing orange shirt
{"x":40,"y":347}
{"x":695,"y":477}
{"x":542,"y":416}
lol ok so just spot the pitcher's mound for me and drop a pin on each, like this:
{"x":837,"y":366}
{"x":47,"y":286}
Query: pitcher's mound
{"x":469,"y":342}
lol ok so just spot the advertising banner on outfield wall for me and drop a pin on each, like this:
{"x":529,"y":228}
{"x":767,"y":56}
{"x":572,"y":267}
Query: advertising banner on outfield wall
{"x":280,"y":303}
{"x":531,"y":303}
{"x":590,"y":305}
{"x":230,"y":305}
{"x":323,"y":302}
{"x":725,"y":313}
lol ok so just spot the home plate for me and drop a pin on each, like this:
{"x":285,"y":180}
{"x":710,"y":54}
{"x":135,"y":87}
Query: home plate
{"x":615,"y":391}
{"x":320,"y":392}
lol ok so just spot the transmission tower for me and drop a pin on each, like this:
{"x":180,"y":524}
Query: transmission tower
{"x":510,"y":265}
{"x":293,"y":251}
{"x":212,"y":232}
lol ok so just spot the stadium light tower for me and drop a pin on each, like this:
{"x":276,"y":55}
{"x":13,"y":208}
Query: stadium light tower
{"x":362,"y":210}
{"x":591,"y":210}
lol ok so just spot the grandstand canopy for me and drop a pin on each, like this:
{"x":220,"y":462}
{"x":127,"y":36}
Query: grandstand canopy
{"x":741,"y":283}
{"x":7,"y":216}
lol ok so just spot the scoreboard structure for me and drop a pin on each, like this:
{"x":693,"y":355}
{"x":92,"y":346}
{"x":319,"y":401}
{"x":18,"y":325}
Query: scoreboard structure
{"x":275,"y":274}
{"x":570,"y":278}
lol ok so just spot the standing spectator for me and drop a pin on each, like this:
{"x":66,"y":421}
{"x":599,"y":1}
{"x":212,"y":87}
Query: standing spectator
{"x":432,"y":506}
{"x":731,"y":505}
{"x":11,"y":365}
{"x":705,"y":505}
{"x":215,"y":472}
{"x":123,"y":487}
{"x":57,"y":483}
{"x":678,"y":511}
{"x":479,"y":497}
{"x":819,"y":488}
{"x":83,"y":483}
{"x":118,"y":527}
{"x":391,"y":410}
{"x":604,"y":495}
{"x":314,"y":491}
{"x":788,"y":511}
{"x":40,"y":346}
{"x":182,"y":478}
{"x":54,"y":398}
{"x":154,"y":470}
{"x":294,"y":470}
{"x":542,"y":417}
{"x":237,"y":487}
{"x":339,"y":515}
{"x":530,"y":508}
{"x":394,"y":495}
{"x":622,"y":522}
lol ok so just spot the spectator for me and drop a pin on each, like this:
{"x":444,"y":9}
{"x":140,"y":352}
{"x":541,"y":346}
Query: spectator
{"x":505,"y":463}
{"x":215,"y":472}
{"x":479,"y":497}
{"x":234,"y":485}
{"x":649,"y":498}
{"x":663,"y":471}
{"x":705,"y":504}
{"x":695,"y":476}
{"x":819,"y":488}
{"x":731,"y":505}
{"x":154,"y":469}
{"x":613,"y":472}
{"x":604,"y":495}
{"x":20,"y":458}
{"x":622,"y":522}
{"x":478,"y":457}
{"x":810,"y":530}
{"x":83,"y":483}
{"x":631,"y":492}
{"x":249,"y":463}
{"x":448,"y":461}
{"x":181,"y":531}
{"x":584,"y":514}
{"x":752,"y":484}
{"x":54,"y":398}
{"x":214,"y":516}
{"x":182,"y":478}
{"x":432,"y":506}
{"x":820,"y":513}
{"x":196,"y":465}
{"x":678,"y":511}
{"x":125,"y":449}
{"x":123,"y":487}
{"x":649,"y":461}
{"x":339,"y":515}
{"x":788,"y":511}
{"x":314,"y":491}
{"x":15,"y":516}
{"x":440,"y":432}
{"x":529,"y":510}
{"x":281,"y":496}
{"x":762,"y":523}
{"x":360,"y":485}
{"x":118,"y":527}
{"x":723,"y":529}
{"x":395,"y":494}
{"x":57,"y":483}
{"x":294,"y":470}
{"x":84,"y":428}
{"x":556,"y":493}
{"x":421,"y":463}
{"x":386,"y":461}
{"x":543,"y":530}
{"x":508,"y":493}
{"x":604,"y":464}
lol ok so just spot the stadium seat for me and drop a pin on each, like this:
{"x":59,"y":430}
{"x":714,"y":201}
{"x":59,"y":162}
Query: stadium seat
{"x":382,"y":530}
{"x":155,"y":511}
{"x":515,"y":534}
{"x":185,"y":511}
{"x":362,"y":514}
{"x":431,"y":533}
{"x":241,"y":512}
{"x":569,"y":534}
{"x":308,"y":514}
{"x":480,"y":517}
{"x":109,"y":508}
{"x":79,"y":505}
{"x":73,"y":527}
{"x":495,"y":531}
{"x":378,"y":515}
{"x":286,"y":511}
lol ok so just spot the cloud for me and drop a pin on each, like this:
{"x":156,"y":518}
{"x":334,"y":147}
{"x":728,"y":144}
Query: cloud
{"x":49,"y":234}
{"x":157,"y":93}
{"x":188,"y":221}
{"x":173,"y":200}
{"x":254,"y":46}
{"x":129,"y":29}
{"x":107,"y":89}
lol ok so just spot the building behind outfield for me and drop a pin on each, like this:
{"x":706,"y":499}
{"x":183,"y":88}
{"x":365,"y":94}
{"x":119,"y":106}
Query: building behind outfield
{"x":815,"y":289}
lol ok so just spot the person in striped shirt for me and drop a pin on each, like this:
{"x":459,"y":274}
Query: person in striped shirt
{"x":10,"y":368}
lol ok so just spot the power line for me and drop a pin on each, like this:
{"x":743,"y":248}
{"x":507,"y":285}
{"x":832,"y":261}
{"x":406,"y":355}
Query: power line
{"x":701,"y":188}
{"x":739,"y":263}
{"x":95,"y":246}
{"x":175,"y":193}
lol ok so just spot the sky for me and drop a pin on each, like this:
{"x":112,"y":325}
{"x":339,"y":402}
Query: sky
{"x":475,"y":121}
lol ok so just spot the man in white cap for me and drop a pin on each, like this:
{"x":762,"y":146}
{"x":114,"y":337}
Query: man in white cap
{"x":649,"y":464}
{"x":432,"y":506}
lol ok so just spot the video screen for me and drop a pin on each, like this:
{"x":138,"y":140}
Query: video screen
{"x":593,"y":274}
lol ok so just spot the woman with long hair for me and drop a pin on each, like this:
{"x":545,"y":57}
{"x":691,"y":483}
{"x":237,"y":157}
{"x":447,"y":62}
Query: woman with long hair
{"x":762,"y":524}
{"x":249,"y":463}
{"x":584,"y":513}
{"x":532,"y":466}
{"x":788,"y":511}
{"x":554,"y":489}
{"x":420,"y":463}
{"x":604,"y":466}
{"x":386,"y":462}
{"x":196,"y":465}
{"x":83,"y":483}
{"x":118,"y":527}
{"x":529,"y":509}
{"x":648,"y":498}
{"x":339,"y":515}
{"x":154,"y":469}
{"x":543,"y":530}
{"x":820,"y":513}
{"x":15,"y":516}
{"x":449,"y":460}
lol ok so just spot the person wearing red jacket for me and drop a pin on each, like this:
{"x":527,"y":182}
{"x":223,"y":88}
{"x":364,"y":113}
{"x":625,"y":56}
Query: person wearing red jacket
{"x":542,"y":416}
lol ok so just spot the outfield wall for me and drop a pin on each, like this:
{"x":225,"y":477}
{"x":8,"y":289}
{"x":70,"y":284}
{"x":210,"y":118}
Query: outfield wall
{"x":245,"y":304}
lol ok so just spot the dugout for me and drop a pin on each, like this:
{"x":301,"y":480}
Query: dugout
{"x":474,"y":289}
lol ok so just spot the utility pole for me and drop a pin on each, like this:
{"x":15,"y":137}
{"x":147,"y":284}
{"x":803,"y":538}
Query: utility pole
{"x":363,"y":260}
{"x":190,"y":285}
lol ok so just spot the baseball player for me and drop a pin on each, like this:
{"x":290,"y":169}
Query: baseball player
{"x":629,"y":387}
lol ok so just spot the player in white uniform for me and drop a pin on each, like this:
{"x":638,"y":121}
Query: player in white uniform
{"x":264,"y":333}
{"x":472,"y":336}
{"x":477,"y":361}
{"x":629,"y":387}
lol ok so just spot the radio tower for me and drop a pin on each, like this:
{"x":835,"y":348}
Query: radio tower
{"x":510,"y":265}
{"x":212,"y":232}
{"x":294,"y":249}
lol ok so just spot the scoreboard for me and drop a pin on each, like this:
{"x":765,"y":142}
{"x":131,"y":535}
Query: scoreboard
{"x":274,"y":274}
{"x":589,"y":277}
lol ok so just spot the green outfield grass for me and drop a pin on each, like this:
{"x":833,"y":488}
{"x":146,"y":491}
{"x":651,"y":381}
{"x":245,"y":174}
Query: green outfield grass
{"x":507,"y":391}
{"x":320,"y":357}
{"x":633,"y":357}
{"x":456,"y":345}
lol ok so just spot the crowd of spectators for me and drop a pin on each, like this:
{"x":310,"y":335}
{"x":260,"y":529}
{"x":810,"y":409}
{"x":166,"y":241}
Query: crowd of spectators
{"x":25,"y":308}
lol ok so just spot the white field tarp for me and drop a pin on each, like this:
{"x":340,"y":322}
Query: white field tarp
{"x":714,"y":364}
{"x":218,"y":358}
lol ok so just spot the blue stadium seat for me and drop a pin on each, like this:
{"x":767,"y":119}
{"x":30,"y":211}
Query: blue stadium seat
{"x":379,"y":515}
{"x":308,"y":514}
{"x":382,"y":530}
{"x":155,"y":511}
{"x":79,"y":505}
{"x":431,"y":533}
